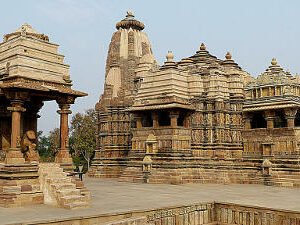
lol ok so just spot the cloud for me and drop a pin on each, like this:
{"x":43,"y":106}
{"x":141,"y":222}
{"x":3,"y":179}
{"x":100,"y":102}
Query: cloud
{"x":72,"y":11}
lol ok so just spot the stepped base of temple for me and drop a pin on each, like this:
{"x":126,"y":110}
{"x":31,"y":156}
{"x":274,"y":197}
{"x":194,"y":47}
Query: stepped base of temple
{"x":181,"y":170}
{"x":60,"y":189}
{"x":107,"y":169}
{"x":19,"y":185}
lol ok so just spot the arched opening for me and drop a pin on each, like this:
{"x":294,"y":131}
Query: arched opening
{"x":258,"y":121}
{"x":164,"y":118}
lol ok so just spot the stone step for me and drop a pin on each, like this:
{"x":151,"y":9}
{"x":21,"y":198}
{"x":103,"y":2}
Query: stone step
{"x":76,"y":205}
{"x":58,"y":180}
{"x":71,"y":199}
{"x":68,"y":192}
{"x":63,"y":186}
{"x":288,"y":176}
{"x":281,"y":179}
{"x":52,"y":169}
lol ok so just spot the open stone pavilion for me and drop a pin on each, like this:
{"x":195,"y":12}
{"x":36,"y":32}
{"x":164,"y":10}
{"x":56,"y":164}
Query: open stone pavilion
{"x":33,"y":72}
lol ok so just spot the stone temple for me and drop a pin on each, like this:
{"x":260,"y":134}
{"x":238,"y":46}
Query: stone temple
{"x":31,"y":73}
{"x":201,"y":119}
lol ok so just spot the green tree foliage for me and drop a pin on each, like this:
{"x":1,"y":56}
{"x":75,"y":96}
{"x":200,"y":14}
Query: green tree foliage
{"x":82,"y":141}
{"x":83,"y":136}
{"x":48,"y":145}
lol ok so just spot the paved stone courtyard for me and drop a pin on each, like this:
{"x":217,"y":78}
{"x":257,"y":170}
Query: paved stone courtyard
{"x":109,"y":195}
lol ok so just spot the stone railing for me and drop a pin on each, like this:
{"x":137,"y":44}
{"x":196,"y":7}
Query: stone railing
{"x":227,"y":213}
{"x":206,"y":214}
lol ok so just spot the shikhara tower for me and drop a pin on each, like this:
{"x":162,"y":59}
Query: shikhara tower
{"x":129,"y":57}
{"x":201,"y":119}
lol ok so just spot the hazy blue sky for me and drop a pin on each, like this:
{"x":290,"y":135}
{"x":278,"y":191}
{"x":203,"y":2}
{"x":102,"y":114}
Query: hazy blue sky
{"x":253,"y":31}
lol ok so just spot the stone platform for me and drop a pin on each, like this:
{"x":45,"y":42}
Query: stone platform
{"x":109,"y":196}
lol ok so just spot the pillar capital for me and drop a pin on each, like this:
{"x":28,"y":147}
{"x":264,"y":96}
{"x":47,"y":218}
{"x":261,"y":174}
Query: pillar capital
{"x":269,"y":114}
{"x":155,"y":115}
{"x":290,"y":113}
{"x":247,"y":115}
{"x":16,"y":106}
{"x":174,"y":113}
{"x":62,"y":100}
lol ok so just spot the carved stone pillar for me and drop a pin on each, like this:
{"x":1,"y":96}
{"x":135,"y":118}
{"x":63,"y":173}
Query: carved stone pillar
{"x":139,"y":123}
{"x":174,"y":116}
{"x":247,"y":122}
{"x":270,"y":117}
{"x":14,"y":155}
{"x":290,"y":115}
{"x":63,"y":156}
{"x":155,"y":118}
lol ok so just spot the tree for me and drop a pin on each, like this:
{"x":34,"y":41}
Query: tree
{"x":54,"y":137}
{"x":48,"y":145}
{"x":83,"y":135}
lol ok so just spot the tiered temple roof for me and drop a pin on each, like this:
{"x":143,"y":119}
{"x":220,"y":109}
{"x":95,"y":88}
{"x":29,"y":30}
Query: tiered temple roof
{"x":175,"y":84}
{"x":275,"y":88}
{"x":29,"y":61}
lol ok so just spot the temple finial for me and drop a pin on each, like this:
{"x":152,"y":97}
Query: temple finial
{"x":228,"y":55}
{"x":202,"y":47}
{"x":170,"y":56}
{"x":129,"y":13}
{"x":274,"y":62}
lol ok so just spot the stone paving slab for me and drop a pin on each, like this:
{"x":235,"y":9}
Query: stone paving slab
{"x":111,"y":196}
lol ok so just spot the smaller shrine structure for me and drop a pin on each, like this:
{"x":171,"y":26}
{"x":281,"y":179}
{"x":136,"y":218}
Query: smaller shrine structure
{"x":31,"y":72}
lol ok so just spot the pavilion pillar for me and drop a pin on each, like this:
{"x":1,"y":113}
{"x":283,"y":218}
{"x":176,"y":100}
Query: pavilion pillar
{"x":14,"y":155}
{"x":247,"y":123}
{"x":290,"y":115}
{"x":139,"y":123}
{"x":174,"y":116}
{"x":155,"y":118}
{"x":63,"y":156}
{"x":270,"y":117}
{"x":247,"y":120}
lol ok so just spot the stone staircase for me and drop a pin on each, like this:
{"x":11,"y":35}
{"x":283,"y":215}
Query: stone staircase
{"x":132,"y":174}
{"x":60,"y":189}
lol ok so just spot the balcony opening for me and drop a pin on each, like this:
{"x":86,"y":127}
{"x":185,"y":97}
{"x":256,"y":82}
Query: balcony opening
{"x":258,"y":121}
{"x":180,"y":119}
{"x":147,"y":120}
{"x":164,"y":119}
{"x":280,"y":120}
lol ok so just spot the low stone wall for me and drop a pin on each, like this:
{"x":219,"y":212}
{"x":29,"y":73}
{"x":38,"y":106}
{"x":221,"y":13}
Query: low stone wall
{"x":199,"y":170}
{"x":282,"y":173}
{"x":204,"y":213}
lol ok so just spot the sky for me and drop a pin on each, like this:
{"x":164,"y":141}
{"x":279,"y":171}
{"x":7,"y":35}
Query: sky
{"x":252,"y":31}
